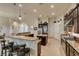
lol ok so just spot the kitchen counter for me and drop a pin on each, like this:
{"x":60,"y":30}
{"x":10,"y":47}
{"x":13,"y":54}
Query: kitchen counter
{"x":74,"y":44}
{"x":25,"y":34}
{"x":44,"y":35}
{"x":23,"y":37}
{"x":31,"y":42}
{"x":71,"y":46}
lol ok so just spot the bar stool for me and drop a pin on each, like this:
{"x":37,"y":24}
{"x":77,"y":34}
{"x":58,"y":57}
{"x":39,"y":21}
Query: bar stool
{"x":19,"y":50}
{"x":13,"y":49}
{"x":4,"y":47}
{"x":23,"y":51}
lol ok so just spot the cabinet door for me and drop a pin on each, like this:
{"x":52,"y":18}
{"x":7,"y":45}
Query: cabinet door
{"x":67,"y":49}
{"x":39,"y":49}
{"x":71,"y":51}
{"x":76,"y":53}
{"x":63,"y":44}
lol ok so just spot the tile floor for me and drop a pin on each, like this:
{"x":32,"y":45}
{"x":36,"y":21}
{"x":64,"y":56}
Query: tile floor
{"x":53,"y":48}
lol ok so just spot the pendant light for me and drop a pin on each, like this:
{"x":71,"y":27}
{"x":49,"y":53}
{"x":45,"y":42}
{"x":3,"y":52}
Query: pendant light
{"x":20,"y":16}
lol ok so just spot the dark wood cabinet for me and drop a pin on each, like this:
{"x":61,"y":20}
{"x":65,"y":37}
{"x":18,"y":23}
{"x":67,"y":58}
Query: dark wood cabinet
{"x":76,"y":53}
{"x":69,"y":49}
{"x":44,"y":39}
{"x":63,"y":45}
{"x":39,"y":49}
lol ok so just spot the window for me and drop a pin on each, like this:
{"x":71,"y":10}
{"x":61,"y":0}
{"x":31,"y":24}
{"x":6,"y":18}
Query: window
{"x":23,"y":28}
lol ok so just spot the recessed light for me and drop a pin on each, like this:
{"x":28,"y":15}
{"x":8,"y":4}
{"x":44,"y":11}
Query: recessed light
{"x":53,"y":13}
{"x":40,"y":15}
{"x":32,"y":26}
{"x":15,"y":23}
{"x":35,"y":10}
{"x":20,"y":5}
{"x":51,"y":6}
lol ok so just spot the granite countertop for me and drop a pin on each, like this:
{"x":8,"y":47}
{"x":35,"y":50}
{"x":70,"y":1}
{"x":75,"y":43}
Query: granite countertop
{"x":74,"y":44}
{"x":65,"y":37}
{"x":45,"y":35}
{"x":22,"y":37}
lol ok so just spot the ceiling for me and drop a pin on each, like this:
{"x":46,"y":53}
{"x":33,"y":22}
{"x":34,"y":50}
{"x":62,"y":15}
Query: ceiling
{"x":43,"y":9}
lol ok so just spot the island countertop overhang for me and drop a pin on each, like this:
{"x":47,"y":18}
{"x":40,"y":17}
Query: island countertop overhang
{"x":22,"y":37}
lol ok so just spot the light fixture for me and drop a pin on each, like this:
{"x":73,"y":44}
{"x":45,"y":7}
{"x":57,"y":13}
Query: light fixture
{"x":51,"y":6}
{"x":20,"y":5}
{"x":40,"y":15}
{"x":35,"y":10}
{"x":15,"y":23}
{"x":32,"y":26}
{"x":20,"y":16}
{"x":53,"y":13}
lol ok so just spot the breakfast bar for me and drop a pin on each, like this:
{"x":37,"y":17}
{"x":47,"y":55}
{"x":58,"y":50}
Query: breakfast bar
{"x":31,"y":42}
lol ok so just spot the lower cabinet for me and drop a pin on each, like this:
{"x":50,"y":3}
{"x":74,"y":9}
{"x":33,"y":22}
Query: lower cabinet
{"x":69,"y":50}
{"x":76,"y":53}
{"x":39,"y":49}
{"x":44,"y":40}
{"x":63,"y":45}
{"x":72,"y":51}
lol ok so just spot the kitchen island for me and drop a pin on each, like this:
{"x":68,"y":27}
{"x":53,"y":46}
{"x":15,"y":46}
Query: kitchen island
{"x":31,"y":42}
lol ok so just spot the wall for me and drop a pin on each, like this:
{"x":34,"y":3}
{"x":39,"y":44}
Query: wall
{"x":4,"y":25}
{"x":55,"y":29}
{"x":17,"y":26}
{"x":9,"y":25}
{"x":51,"y":27}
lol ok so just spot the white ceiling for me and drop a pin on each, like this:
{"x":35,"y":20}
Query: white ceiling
{"x":9,"y":10}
